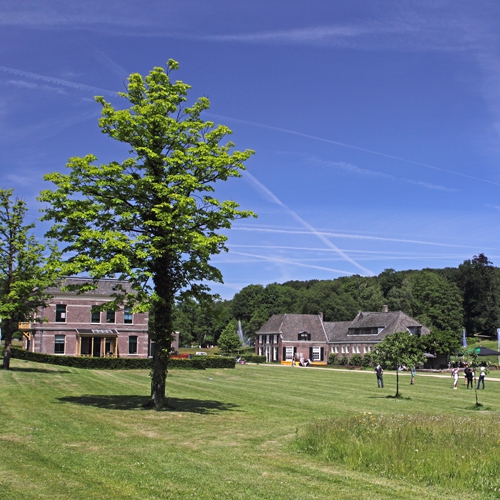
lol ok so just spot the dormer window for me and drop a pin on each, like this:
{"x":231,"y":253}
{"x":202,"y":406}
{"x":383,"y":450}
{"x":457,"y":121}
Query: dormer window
{"x":415,"y":330}
{"x":304,"y":336}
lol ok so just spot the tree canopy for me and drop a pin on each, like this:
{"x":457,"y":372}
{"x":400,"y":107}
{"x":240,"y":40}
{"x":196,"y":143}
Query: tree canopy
{"x":27,"y":269}
{"x":151,"y":219}
{"x":400,"y":348}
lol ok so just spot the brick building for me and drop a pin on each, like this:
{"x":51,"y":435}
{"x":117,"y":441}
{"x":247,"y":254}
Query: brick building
{"x":306,"y":336}
{"x":73,"y":328}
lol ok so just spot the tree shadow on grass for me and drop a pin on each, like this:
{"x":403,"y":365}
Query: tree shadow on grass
{"x":128,"y":402}
{"x":35,"y":370}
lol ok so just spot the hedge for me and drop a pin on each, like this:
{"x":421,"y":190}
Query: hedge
{"x":253,"y":358}
{"x":200,"y":363}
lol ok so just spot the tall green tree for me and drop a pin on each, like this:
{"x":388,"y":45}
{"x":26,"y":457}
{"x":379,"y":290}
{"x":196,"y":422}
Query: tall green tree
{"x":27,"y":269}
{"x":480,"y":287}
{"x":400,"y":348}
{"x":153,"y":218}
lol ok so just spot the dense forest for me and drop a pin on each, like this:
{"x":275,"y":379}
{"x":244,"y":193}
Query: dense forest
{"x":445,"y":300}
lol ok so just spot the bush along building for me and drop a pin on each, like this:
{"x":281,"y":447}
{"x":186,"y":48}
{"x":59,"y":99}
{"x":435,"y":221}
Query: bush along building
{"x":294,"y":337}
{"x":72,"y":326}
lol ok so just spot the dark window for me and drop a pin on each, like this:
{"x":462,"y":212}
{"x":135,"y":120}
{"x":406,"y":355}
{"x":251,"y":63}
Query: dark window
{"x":127,"y":315}
{"x":304,"y":336}
{"x":60,"y":313}
{"x":365,"y":331}
{"x":132,"y":345}
{"x":59,"y":344}
{"x":110,"y":316}
{"x":95,"y":317}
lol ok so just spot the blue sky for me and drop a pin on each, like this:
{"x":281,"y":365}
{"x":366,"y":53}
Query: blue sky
{"x":376,"y":124}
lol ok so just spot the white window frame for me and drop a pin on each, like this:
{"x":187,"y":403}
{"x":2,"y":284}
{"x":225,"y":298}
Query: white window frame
{"x":275,"y":353}
{"x":289,"y":353}
{"x":316,"y":353}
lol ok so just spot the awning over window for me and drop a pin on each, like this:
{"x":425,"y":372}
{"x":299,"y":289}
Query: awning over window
{"x":88,"y":332}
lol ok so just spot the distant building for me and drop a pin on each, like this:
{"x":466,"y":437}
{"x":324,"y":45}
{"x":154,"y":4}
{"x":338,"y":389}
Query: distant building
{"x":74,"y":328}
{"x":306,"y":336}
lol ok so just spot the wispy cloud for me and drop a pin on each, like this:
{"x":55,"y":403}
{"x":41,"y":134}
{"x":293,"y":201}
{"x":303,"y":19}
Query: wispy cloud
{"x":349,"y":167}
{"x":58,"y":82}
{"x":357,"y":148}
{"x":290,"y":262}
{"x":273,"y":198}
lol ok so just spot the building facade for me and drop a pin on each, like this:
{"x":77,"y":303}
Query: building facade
{"x":72,"y":326}
{"x":287,"y":337}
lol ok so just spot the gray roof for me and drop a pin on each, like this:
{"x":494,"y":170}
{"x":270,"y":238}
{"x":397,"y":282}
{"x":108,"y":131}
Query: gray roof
{"x":290,"y":325}
{"x":384,"y":323}
{"x":105,"y":286}
{"x":381,"y":324}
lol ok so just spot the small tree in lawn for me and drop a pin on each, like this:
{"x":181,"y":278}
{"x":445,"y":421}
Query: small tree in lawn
{"x":26,"y":270}
{"x":152,"y":218}
{"x":400,"y":348}
{"x":229,"y":342}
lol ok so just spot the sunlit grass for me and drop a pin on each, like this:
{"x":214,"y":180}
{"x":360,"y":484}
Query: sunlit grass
{"x":447,"y":450}
{"x":67,"y":433}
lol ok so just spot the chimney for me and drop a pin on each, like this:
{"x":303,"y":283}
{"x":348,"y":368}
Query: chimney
{"x":385,"y":308}
{"x":320,"y":316}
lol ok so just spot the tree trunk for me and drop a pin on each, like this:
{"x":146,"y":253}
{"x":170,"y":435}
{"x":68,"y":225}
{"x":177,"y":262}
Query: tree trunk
{"x":159,"y":372}
{"x":6,"y":355}
{"x":8,"y":329}
{"x":161,"y":333}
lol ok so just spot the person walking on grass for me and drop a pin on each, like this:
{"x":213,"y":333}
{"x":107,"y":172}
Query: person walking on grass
{"x":470,"y":378}
{"x":482,"y":375}
{"x":413,"y":372}
{"x":454,"y":374}
{"x":380,"y":376}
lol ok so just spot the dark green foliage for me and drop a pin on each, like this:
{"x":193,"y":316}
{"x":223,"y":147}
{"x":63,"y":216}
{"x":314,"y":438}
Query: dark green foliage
{"x":441,"y":299}
{"x":330,"y":298}
{"x":344,"y":360}
{"x":197,"y":363}
{"x":252,"y":358}
{"x":367,"y":360}
{"x":356,"y":360}
{"x":229,"y":341}
{"x":332,"y":358}
{"x":479,"y":282}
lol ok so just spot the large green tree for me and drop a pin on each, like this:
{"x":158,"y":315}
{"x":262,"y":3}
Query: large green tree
{"x":151,"y":219}
{"x":27,"y":269}
{"x":480,"y":286}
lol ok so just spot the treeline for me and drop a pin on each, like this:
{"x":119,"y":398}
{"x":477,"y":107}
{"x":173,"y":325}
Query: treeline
{"x":445,"y":300}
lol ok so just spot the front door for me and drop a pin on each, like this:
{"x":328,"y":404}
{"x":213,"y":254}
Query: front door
{"x":97,"y":347}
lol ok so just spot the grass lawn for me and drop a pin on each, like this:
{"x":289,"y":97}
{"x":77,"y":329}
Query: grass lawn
{"x":68,"y":433}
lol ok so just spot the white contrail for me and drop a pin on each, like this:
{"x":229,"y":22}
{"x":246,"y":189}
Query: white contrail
{"x":357,"y":148}
{"x":344,"y":235}
{"x":311,"y":229}
{"x":57,"y":81}
{"x":292,"y":262}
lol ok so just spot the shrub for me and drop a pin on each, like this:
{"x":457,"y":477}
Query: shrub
{"x":253,"y":358}
{"x":199,"y":363}
{"x":356,"y":360}
{"x":344,"y":360}
{"x":332,"y":358}
{"x":367,"y":360}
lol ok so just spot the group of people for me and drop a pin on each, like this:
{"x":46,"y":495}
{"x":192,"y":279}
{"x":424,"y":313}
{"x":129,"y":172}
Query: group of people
{"x":302,"y":362}
{"x":469,"y":376}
